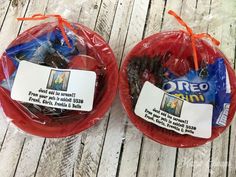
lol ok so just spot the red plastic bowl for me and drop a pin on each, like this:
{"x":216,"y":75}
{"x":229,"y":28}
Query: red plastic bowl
{"x":98,"y":49}
{"x":179,"y":44}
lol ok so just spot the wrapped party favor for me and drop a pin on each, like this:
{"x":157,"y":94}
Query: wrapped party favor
{"x":57,"y":79}
{"x":178,"y":88}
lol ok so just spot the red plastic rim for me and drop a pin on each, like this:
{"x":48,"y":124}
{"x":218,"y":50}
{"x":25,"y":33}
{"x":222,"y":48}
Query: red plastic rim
{"x":160,"y":43}
{"x":20,"y":117}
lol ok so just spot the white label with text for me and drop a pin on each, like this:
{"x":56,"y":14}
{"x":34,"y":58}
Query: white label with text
{"x":167,"y":111}
{"x":59,"y":88}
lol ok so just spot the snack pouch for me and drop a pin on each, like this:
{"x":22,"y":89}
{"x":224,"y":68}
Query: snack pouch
{"x":39,"y":48}
{"x":207,"y":86}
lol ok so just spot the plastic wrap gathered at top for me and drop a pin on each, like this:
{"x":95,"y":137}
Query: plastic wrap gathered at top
{"x":62,"y":45}
{"x":187,"y":66}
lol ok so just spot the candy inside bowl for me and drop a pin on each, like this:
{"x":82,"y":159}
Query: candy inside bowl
{"x":168,"y":57}
{"x":45,"y":45}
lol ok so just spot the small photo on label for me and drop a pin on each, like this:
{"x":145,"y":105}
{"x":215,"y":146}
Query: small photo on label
{"x":171,"y":105}
{"x":58,"y":80}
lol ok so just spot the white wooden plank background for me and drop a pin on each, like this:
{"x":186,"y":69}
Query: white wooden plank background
{"x":114,"y":147}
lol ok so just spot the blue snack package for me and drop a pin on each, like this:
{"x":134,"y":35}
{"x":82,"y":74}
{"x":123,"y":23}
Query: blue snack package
{"x":36,"y":50}
{"x":208,"y":85}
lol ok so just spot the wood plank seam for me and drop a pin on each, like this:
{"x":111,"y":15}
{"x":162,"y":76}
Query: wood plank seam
{"x":5,"y":15}
{"x":98,"y":14}
{"x":210,"y":161}
{"x":163,"y":14}
{"x":4,"y":137}
{"x":21,"y":23}
{"x":192,"y":167}
{"x":176,"y":161}
{"x":19,"y":157}
{"x":36,"y":170}
{"x":99,"y":26}
{"x":147,"y":17}
{"x":122,"y":55}
{"x":235,"y":55}
{"x":107,"y":123}
{"x":181,"y":9}
{"x":140,"y":155}
{"x":69,"y":154}
{"x":227,"y":168}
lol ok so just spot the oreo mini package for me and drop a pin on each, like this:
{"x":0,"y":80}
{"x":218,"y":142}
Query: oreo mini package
{"x":208,"y":85}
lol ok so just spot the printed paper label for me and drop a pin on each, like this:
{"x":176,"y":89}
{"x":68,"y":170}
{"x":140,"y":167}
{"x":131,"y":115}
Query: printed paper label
{"x":59,"y":88}
{"x":167,"y":111}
